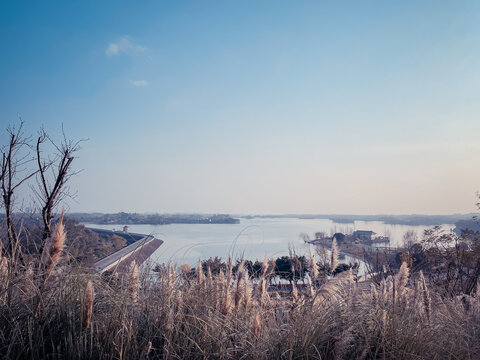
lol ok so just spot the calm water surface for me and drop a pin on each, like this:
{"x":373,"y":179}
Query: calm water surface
{"x":252,"y":238}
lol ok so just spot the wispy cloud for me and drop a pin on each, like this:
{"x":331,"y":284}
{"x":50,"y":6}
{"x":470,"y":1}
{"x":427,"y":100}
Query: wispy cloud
{"x":139,"y":82}
{"x":125,"y":45}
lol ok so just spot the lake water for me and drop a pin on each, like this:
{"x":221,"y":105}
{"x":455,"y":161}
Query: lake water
{"x":252,"y":238}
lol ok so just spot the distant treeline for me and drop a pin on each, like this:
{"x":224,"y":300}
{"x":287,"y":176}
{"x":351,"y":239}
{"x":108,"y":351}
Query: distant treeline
{"x":412,"y":220}
{"x":467,"y":226}
{"x":123,"y":218}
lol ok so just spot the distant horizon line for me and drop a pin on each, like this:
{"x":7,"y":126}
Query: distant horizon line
{"x":272,"y":214}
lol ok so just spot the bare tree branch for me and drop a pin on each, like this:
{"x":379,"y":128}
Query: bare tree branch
{"x":53,"y":174}
{"x":20,"y":161}
{"x":12,"y":175}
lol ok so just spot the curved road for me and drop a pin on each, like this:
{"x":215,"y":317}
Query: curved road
{"x":113,"y":259}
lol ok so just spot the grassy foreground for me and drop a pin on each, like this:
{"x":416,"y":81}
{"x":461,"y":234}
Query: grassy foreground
{"x":84,"y":316}
{"x":54,"y":309}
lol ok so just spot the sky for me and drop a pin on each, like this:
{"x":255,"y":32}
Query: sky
{"x":264,"y":107}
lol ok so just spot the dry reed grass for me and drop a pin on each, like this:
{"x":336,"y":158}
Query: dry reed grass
{"x":88,"y":305}
{"x":231,"y":316}
{"x":56,"y":246}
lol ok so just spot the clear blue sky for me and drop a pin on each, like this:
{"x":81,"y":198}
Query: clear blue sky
{"x":253,"y":106}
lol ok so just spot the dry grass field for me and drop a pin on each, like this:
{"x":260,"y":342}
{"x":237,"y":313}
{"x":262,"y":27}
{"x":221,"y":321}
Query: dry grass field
{"x":62,"y":310}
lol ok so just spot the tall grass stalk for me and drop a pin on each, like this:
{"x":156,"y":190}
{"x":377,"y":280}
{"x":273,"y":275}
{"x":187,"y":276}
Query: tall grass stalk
{"x":177,"y":317}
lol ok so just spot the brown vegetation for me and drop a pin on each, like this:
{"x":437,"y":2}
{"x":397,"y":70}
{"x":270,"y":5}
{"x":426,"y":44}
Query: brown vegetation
{"x":56,"y":307}
{"x":230,"y":316}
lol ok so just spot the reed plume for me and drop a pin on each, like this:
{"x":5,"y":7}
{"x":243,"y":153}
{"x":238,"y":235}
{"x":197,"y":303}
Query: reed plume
{"x":333,"y":289}
{"x":262,"y":286}
{"x":88,"y":305}
{"x":313,"y":267}
{"x":229,"y":269}
{"x":247,"y":291}
{"x":401,"y":279}
{"x":257,"y":325}
{"x":133,"y":283}
{"x":230,"y":262}
{"x":262,"y":291}
{"x":227,"y":301}
{"x":200,"y":277}
{"x":427,"y":300}
{"x":265,"y":266}
{"x":56,"y":246}
{"x":239,"y":284}
{"x":3,"y":276}
{"x":225,"y":281}
{"x":383,"y":287}
{"x":294,"y":285}
{"x":311,"y":290}
{"x":220,"y":281}
{"x":171,"y":275}
{"x":209,"y":278}
{"x":3,"y":266}
{"x":218,"y":286}
{"x":334,"y":257}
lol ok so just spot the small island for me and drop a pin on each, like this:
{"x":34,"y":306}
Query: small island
{"x":123,"y":218}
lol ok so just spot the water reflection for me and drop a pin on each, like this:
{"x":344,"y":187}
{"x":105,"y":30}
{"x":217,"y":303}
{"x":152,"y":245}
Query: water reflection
{"x":254,"y":238}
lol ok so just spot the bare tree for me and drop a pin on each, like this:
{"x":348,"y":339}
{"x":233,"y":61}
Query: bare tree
{"x":53,"y":174}
{"x":14,"y":172}
{"x":21,"y":161}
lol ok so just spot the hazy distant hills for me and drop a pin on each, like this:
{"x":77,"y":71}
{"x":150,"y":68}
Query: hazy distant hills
{"x":414,"y":219}
{"x":123,"y":218}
